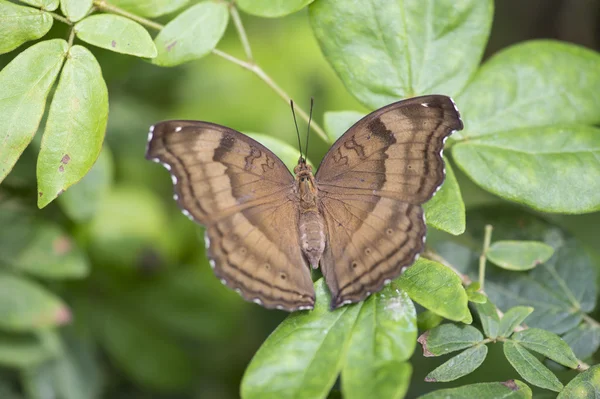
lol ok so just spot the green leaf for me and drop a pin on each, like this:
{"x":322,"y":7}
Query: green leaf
{"x":436,"y":288}
{"x":460,"y":365}
{"x":585,"y":385}
{"x":48,"y":5}
{"x":551,"y":169}
{"x":192,"y":34}
{"x":489,"y":318}
{"x":116,"y":33}
{"x":304,"y":355}
{"x":448,"y":338}
{"x":512,"y":318}
{"x":387,"y":50}
{"x":82,"y":201}
{"x":446,"y":210}
{"x":513,"y":90}
{"x":27,"y":350}
{"x":530,"y":368}
{"x":21,"y":24}
{"x":427,"y":320}
{"x":152,"y":8}
{"x":272,"y":8}
{"x":338,"y":122}
{"x":519,"y":255}
{"x":76,"y":125}
{"x":476,"y":297}
{"x":548,"y":344}
{"x":75,"y":9}
{"x":383,"y":339}
{"x":583,"y":339}
{"x":511,"y":389}
{"x":26,"y":306}
{"x":26,"y":82}
{"x":287,"y":153}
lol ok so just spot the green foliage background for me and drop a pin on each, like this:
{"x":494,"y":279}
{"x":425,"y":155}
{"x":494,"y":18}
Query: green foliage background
{"x":106,"y":291}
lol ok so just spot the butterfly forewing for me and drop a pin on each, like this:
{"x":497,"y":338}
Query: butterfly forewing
{"x":372,"y":183}
{"x":244,"y":195}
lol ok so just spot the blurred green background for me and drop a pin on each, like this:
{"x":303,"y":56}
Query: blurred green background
{"x":151,"y":320}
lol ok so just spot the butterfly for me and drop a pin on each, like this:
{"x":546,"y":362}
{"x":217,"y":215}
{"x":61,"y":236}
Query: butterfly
{"x":359,"y":217}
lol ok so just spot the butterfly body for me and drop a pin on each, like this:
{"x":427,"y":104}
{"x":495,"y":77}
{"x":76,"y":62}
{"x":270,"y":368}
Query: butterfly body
{"x":359,"y":217}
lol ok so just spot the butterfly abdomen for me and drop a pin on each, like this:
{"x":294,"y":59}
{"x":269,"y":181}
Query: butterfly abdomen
{"x":312,"y":235}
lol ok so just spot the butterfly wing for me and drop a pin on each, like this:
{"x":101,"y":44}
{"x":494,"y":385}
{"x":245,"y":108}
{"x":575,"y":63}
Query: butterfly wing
{"x":371,"y":185}
{"x":244,"y":195}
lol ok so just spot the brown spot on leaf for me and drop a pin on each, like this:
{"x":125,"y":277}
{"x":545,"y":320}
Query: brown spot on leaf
{"x":65,"y":159}
{"x":423,"y":341}
{"x":170,"y":46}
{"x":113,"y":44}
{"x":61,"y":168}
{"x":510,"y":384}
{"x":40,"y":194}
{"x":61,"y":245}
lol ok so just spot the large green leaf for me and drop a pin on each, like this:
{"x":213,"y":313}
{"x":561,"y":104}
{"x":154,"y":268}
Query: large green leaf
{"x":385,"y":50}
{"x":460,"y":365}
{"x":75,"y":9}
{"x":437,"y":288}
{"x":338,"y":122}
{"x":20,"y":24}
{"x":303,"y":356}
{"x":116,"y":33}
{"x":150,"y":8}
{"x":585,"y":385}
{"x":512,"y":318}
{"x":383,"y":339}
{"x":448,"y":338}
{"x":515,"y":90}
{"x":519,"y":255}
{"x":488,"y":316}
{"x":272,"y":8}
{"x":446,"y":210}
{"x":583,"y":339}
{"x":49,"y":5}
{"x":192,"y":34}
{"x":547,"y":344}
{"x":530,"y":368}
{"x":26,"y":82}
{"x":552,"y":169}
{"x":76,"y":125}
{"x":511,"y":389}
{"x":27,"y":306}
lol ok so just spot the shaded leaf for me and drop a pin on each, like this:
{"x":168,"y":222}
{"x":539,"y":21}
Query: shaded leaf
{"x":583,"y":339}
{"x":287,"y":153}
{"x":446,"y":210}
{"x":383,"y":339}
{"x":428,"y":320}
{"x":513,"y":318}
{"x":76,"y":125}
{"x":26,"y":306}
{"x":530,"y":368}
{"x":448,"y":338}
{"x":25,"y":350}
{"x":75,"y":9}
{"x":514,"y":90}
{"x":436,"y":288}
{"x":519,"y":255}
{"x":82,"y":200}
{"x":20,"y":24}
{"x":48,"y":5}
{"x":338,"y":122}
{"x":387,"y":50}
{"x":511,"y":389}
{"x":489,"y":318}
{"x":585,"y":385}
{"x":304,"y":354}
{"x":547,"y":344}
{"x":192,"y":34}
{"x":150,"y":8}
{"x":552,"y":169}
{"x":26,"y":82}
{"x":272,"y":8}
{"x":116,"y":33}
{"x":14,"y":241}
{"x":460,"y":365}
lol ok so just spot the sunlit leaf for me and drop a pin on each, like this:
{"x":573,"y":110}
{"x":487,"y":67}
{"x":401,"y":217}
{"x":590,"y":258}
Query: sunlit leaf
{"x":460,"y":365}
{"x":75,"y":9}
{"x":20,"y":24}
{"x":116,"y":33}
{"x":547,"y":344}
{"x":519,"y":255}
{"x":388,"y":50}
{"x":192,"y":34}
{"x":530,"y":368}
{"x":150,"y":8}
{"x":49,"y":5}
{"x":512,"y":318}
{"x":76,"y":125}
{"x":448,"y":338}
{"x":511,"y":389}
{"x":26,"y":82}
{"x":585,"y":385}
{"x":272,"y":8}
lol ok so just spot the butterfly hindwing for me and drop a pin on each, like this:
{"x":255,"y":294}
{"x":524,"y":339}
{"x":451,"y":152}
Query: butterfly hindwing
{"x":243,"y":194}
{"x":372,"y":183}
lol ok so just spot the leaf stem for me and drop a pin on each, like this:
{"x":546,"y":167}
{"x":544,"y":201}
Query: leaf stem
{"x":71,"y":37}
{"x":237,"y":21}
{"x":487,"y":238}
{"x":105,"y":6}
{"x":59,"y":18}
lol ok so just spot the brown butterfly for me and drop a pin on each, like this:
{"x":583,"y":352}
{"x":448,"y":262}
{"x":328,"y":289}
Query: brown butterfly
{"x":359,"y":217}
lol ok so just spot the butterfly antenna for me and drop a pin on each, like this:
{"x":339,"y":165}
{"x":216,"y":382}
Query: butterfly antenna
{"x":312,"y":101}
{"x":297,"y":131}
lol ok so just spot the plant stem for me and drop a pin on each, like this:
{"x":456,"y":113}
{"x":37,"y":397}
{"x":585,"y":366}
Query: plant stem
{"x":241,"y":31}
{"x":71,"y":37}
{"x":487,"y":238}
{"x":59,"y":18}
{"x":104,"y":6}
